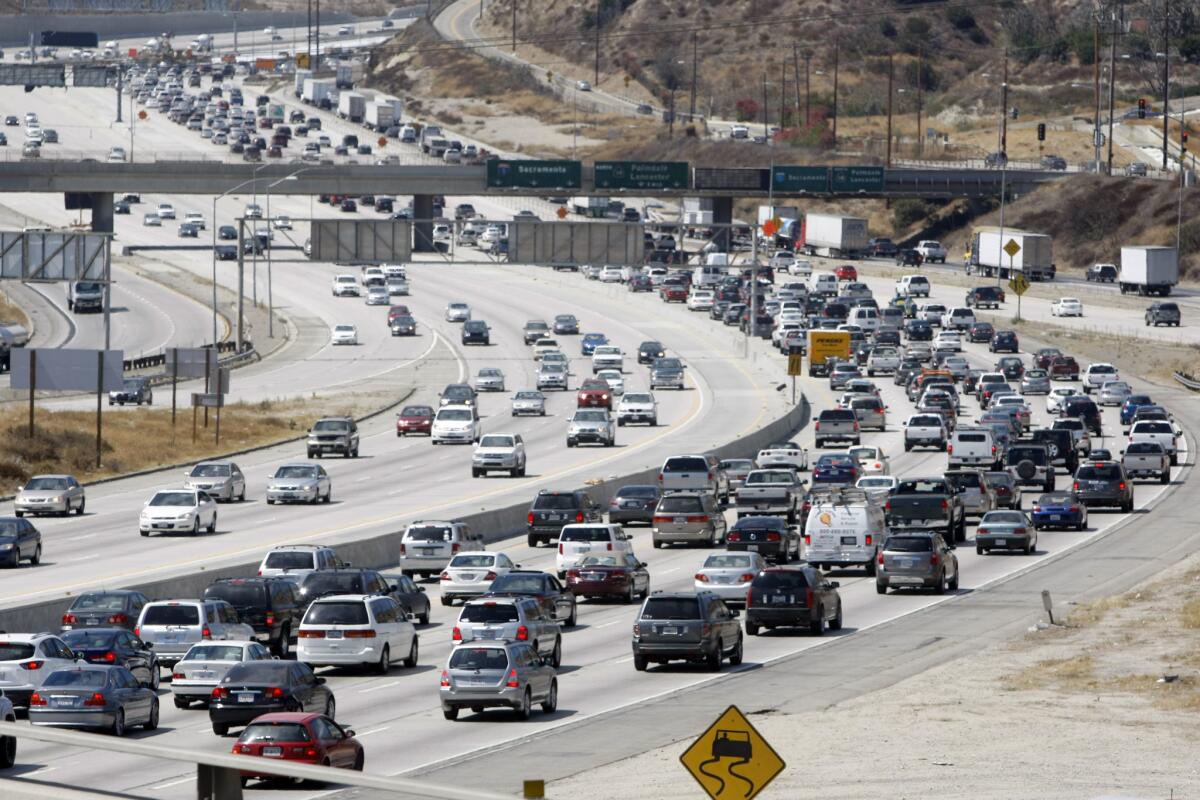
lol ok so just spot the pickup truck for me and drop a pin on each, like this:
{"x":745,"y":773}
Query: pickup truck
{"x":927,"y":504}
{"x":770,"y":493}
{"x":884,"y":360}
{"x":931,"y":251}
{"x":836,"y":424}
{"x":785,"y":455}
{"x":1147,"y":459}
{"x":925,"y":430}
{"x":1159,"y":431}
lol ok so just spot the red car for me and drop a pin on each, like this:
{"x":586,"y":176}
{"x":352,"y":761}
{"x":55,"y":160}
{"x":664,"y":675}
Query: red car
{"x":397,"y":311}
{"x":594,"y":393}
{"x":1044,"y":356}
{"x":846,"y":272}
{"x":1064,"y":368}
{"x":618,"y":575}
{"x":673,"y":293}
{"x":297,"y":736}
{"x":415,"y":419}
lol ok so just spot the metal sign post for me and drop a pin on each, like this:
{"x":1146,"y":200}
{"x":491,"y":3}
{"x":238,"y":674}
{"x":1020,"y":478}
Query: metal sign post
{"x":99,"y":395}
{"x":32,"y":386}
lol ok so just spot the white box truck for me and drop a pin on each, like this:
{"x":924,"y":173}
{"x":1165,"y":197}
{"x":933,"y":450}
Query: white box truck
{"x":1148,"y":270}
{"x":317,"y":91}
{"x":302,"y":75}
{"x":987,"y":255}
{"x":697,"y":211}
{"x":589,"y":206}
{"x":783,"y":212}
{"x":379,"y":116}
{"x":351,"y":106}
{"x":832,"y":235}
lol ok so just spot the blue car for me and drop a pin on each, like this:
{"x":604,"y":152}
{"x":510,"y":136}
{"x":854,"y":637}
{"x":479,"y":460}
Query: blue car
{"x":1131,"y":405}
{"x":591,"y":341}
{"x":835,"y":469}
{"x":1059,"y":510}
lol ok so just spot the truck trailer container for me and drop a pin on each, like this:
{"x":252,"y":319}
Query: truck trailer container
{"x":833,"y":236}
{"x":351,"y":106}
{"x":987,"y":255}
{"x":1148,"y":270}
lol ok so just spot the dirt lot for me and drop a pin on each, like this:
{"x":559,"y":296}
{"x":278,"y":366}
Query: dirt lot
{"x":11,"y":313}
{"x":1105,"y":705}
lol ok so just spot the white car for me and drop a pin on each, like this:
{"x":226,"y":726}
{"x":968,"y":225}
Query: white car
{"x":543,"y":346}
{"x":355,"y":629}
{"x":1066,"y":307}
{"x":185,"y":510}
{"x":931,"y":251}
{"x":801,"y":267}
{"x":578,"y":539}
{"x":729,"y":575}
{"x":282,"y":223}
{"x":782,"y":455}
{"x":344,"y":334}
{"x":932,"y":313}
{"x":610,"y":274}
{"x":1096,"y":375}
{"x":196,"y":218}
{"x":455,"y":425}
{"x":25,"y":661}
{"x":701,"y":300}
{"x":152,"y":220}
{"x":490,"y":379}
{"x":615,"y":380}
{"x":166,"y":211}
{"x":116,"y":154}
{"x":499,"y":452}
{"x":457,"y":312}
{"x":203,"y":666}
{"x":637,"y":407}
{"x":948,"y":340}
{"x":1055,"y":398}
{"x":253,"y":211}
{"x":607,"y":356}
{"x":346,"y":286}
{"x":468,"y":575}
{"x":871,"y":460}
{"x":877,"y":487}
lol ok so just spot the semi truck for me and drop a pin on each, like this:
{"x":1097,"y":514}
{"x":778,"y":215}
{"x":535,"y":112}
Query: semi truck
{"x":382,"y":114}
{"x":352,"y":106}
{"x":302,"y":75}
{"x":1148,"y":270}
{"x":317,"y":91}
{"x":824,"y":348}
{"x":589,"y":206}
{"x":832,"y":235}
{"x":986,"y":254}
{"x":348,"y":74}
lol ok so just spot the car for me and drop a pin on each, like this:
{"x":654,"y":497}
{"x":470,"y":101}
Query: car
{"x":171,"y":627}
{"x":476,"y":331}
{"x":378,"y":296}
{"x":512,"y":616}
{"x":543,"y":346}
{"x":1005,"y":530}
{"x":650,"y":351}
{"x":772,"y":537}
{"x":1113,"y":393}
{"x":296,"y":561}
{"x":589,"y":342}
{"x":470,"y":574}
{"x":556,"y":601}
{"x":529,"y":402}
{"x":1034,"y":381}
{"x":591,"y":426}
{"x":533,"y":330}
{"x":728,"y":575}
{"x":346,"y":285}
{"x":566,"y":325}
{"x":100,"y":696}
{"x":489,"y":379}
{"x":402,"y":325}
{"x":306,"y":738}
{"x":186,"y":510}
{"x":1056,"y":398}
{"x":108,"y":608}
{"x":871,"y":460}
{"x":220,"y":480}
{"x":615,"y":380}
{"x":552,"y":376}
{"x":505,"y":674}
{"x":607,"y":356}
{"x":634,"y":504}
{"x":918,"y":559}
{"x":166,"y":211}
{"x":1064,"y":368}
{"x":908,"y":257}
{"x":499,"y":451}
{"x":299,"y":483}
{"x":1135,"y":169}
{"x":1103,"y":483}
{"x":194,"y":676}
{"x":344,"y":335}
{"x":1163,"y":313}
{"x":50,"y":494}
{"x":455,"y":424}
{"x":688,"y":518}
{"x":551,"y":510}
{"x":603,"y":575}
{"x":270,"y":605}
{"x":458,"y":394}
{"x":115,"y":646}
{"x":1131,"y":405}
{"x":1004,"y":342}
{"x":1160,"y":431}
{"x":1147,"y":459}
{"x":1102,"y":273}
{"x":457,"y":312}
{"x":188,"y":230}
{"x":846,"y":272}
{"x":667,"y":373}
{"x":980,"y":332}
{"x":333,"y":435}
{"x":783,"y":454}
{"x":254,"y":688}
{"x":697,"y":627}
{"x":335,"y":627}
{"x":1066,"y":307}
{"x":797,"y":596}
{"x":133,"y":390}
{"x":594,"y":393}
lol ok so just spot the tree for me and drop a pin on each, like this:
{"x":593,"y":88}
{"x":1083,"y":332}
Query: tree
{"x":747,"y":109}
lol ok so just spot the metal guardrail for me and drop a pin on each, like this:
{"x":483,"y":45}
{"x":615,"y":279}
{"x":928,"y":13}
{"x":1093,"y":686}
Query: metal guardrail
{"x":1187,"y":381}
{"x":160,"y":359}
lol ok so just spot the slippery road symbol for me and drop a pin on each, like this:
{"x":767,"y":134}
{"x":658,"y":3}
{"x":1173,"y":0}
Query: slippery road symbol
{"x":731,"y":760}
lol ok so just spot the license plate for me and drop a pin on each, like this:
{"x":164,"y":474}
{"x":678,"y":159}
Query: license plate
{"x":1001,"y":542}
{"x":629,"y":504}
{"x":593,"y":576}
{"x":428,"y":551}
{"x":670,"y":631}
{"x":680,"y":520}
{"x":780,"y":598}
{"x":272,"y":752}
{"x":170,"y":637}
{"x":554,"y":517}
{"x":162,"y":525}
{"x":204,"y":673}
{"x":93,"y":621}
{"x":1056,"y":517}
{"x":333,"y":634}
{"x":245,"y":697}
{"x":753,"y":548}
{"x":64,"y":702}
{"x":849,"y":540}
{"x":907,"y":563}
{"x":487,"y":634}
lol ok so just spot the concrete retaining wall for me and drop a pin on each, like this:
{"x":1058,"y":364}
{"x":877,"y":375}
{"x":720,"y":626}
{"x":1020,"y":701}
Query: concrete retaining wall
{"x":383,"y":550}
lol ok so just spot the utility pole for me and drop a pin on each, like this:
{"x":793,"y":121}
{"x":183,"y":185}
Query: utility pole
{"x":1004,"y":110}
{"x":766,"y":128}
{"x":920,"y":66}
{"x":835,"y":93}
{"x":782,"y":90}
{"x":807,"y":89}
{"x":796,"y":71}
{"x":315,"y":62}
{"x":692,"y":104}
{"x":1112,"y":86}
{"x":514,"y":26}
{"x":1096,"y":88}
{"x":596,"y":69}
{"x":1166,"y":84}
{"x":888,"y":161}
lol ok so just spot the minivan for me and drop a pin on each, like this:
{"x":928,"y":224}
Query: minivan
{"x":428,"y":545}
{"x":845,"y":527}
{"x":173,"y":626}
{"x":865,"y":317}
{"x":707,"y":275}
{"x":357,"y":630}
{"x":972,"y":447}
{"x":823,"y":283}
{"x":578,"y":539}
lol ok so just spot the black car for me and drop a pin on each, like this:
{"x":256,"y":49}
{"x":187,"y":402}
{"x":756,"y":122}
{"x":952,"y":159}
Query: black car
{"x":1102,"y":273}
{"x":120,"y":207}
{"x":557,"y":601}
{"x":650,"y":350}
{"x":271,"y":606}
{"x":410,"y":596}
{"x":985,"y":297}
{"x":1103,"y":483}
{"x":1057,"y":163}
{"x":552,"y":509}
{"x":685,"y":626}
{"x":349,"y":205}
{"x":109,"y":608}
{"x":115,"y":646}
{"x":384,"y":205}
{"x":342,"y":580}
{"x":227,"y":252}
{"x":1083,"y":408}
{"x":476,"y":331}
{"x":1004,"y":342}
{"x":882,"y":247}
{"x":133,"y":390}
{"x":254,"y":688}
{"x":981,"y":332}
{"x":1163,"y":314}
{"x":918,"y":330}
{"x":793,"y":597}
{"x":909,"y":258}
{"x":227,"y":232}
{"x":1012,"y":367}
{"x":634,"y":503}
{"x":1060,"y":444}
{"x":771,"y":537}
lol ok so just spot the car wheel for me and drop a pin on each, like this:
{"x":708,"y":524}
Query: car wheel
{"x":954,"y":582}
{"x":385,"y":661}
{"x":978,"y":550}
{"x":531,"y":540}
{"x":550,"y":704}
{"x":155,"y":677}
{"x":880,"y":588}
{"x":751,"y":629}
{"x":871,"y":568}
{"x":640,"y":663}
{"x":474,"y":472}
{"x":37,"y":556}
{"x":446,"y":601}
{"x":714,"y":659}
{"x":450,"y":712}
{"x":657,"y":544}
{"x":212,"y":526}
{"x":331,"y":708}
{"x":270,"y":502}
{"x":182,"y":702}
{"x":570,"y":623}
{"x":630,"y":595}
{"x":196,"y":526}
{"x":1030,"y":549}
{"x":556,"y":654}
{"x":283,"y":646}
{"x":152,"y":721}
{"x":836,"y":623}
{"x":413,"y":651}
{"x":329,"y":495}
{"x":118,"y":726}
{"x":940,"y":588}
{"x":817,"y":626}
{"x":524,"y":709}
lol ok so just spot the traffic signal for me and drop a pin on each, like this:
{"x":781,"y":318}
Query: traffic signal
{"x":1141,"y":108}
{"x":1183,"y":139}
{"x":1041,"y":131}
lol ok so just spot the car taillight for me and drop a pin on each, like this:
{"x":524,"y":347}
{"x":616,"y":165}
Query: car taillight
{"x":97,"y":699}
{"x":869,"y":539}
{"x":560,"y":548}
{"x":445,"y":678}
{"x":772,"y":536}
{"x":454,"y":548}
{"x":657,"y":520}
{"x":512,"y":682}
{"x":734,"y":536}
{"x":69,"y":619}
{"x":259,"y":573}
{"x":456,"y":634}
{"x":950,"y":448}
{"x":980,"y":530}
{"x":109,"y":657}
{"x":887,"y":506}
{"x":404,"y":548}
{"x":220,"y":693}
{"x":993,"y":449}
{"x":1076,"y":486}
{"x":307,"y":634}
{"x":1122,"y":486}
{"x":137,"y":631}
{"x":817,"y":425}
{"x":945,"y":504}
{"x":530,"y":518}
{"x":364,"y":634}
{"x":933,"y":559}
{"x":1074,"y":509}
{"x":445,"y":576}
{"x":698,"y":518}
{"x":1037,"y":508}
{"x":32,"y":665}
{"x":879,"y":559}
{"x":855,"y":424}
{"x":36,"y":699}
{"x":579,"y":516}
{"x":491,"y":576}
{"x":816,"y":472}
{"x":700,"y":576}
{"x":746,"y":577}
{"x":705,"y":630}
{"x":206,"y":633}
{"x":275,"y":691}
{"x":270,"y":618}
{"x":608,"y":545}
{"x":522,"y":633}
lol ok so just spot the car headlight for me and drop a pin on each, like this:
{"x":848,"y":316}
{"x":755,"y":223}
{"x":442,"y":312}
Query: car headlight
{"x":6,"y":546}
{"x":58,"y":499}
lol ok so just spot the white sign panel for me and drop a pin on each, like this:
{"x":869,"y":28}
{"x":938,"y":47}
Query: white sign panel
{"x":68,"y":369}
{"x":194,"y":362}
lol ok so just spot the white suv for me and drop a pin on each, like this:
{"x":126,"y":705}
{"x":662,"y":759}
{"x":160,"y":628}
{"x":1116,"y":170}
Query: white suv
{"x":297,"y":560}
{"x":346,"y":286}
{"x":576,"y":541}
{"x":351,"y":629}
{"x":25,"y":661}
{"x":427,"y":546}
{"x":1096,"y":375}
{"x":455,"y":424}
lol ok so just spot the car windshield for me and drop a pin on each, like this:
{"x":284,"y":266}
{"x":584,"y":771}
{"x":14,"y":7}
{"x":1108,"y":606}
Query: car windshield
{"x":497,"y":441}
{"x":637,"y":491}
{"x":473,"y":560}
{"x":454,"y":415}
{"x":344,"y":329}
{"x":1153,"y":427}
{"x":527,"y":396}
{"x":680,"y":504}
{"x":319,"y":583}
{"x":586,"y":534}
{"x":181,"y":499}
{"x":46,"y":485}
{"x":82,"y":678}
{"x":274,"y":732}
{"x":260,"y":672}
{"x":590,"y":416}
{"x":337,"y":613}
{"x":211,"y":471}
{"x":170,"y":615}
{"x":773,"y":477}
{"x":489,"y":611}
{"x":331,"y":426}
{"x":964,"y":480}
{"x":239,"y":595}
{"x":828,"y":460}
{"x":214,"y":652}
{"x":89,"y":640}
{"x":1145,"y":447}
{"x":1003,"y":518}
{"x":296,"y":472}
{"x":479,"y":658}
{"x":133,"y":384}
{"x":668,"y":363}
{"x":289,"y":559}
{"x":728,"y":562}
{"x":671,"y":608}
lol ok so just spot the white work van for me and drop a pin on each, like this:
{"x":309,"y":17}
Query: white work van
{"x":845,"y":527}
{"x":708,"y":275}
{"x":971,"y":447}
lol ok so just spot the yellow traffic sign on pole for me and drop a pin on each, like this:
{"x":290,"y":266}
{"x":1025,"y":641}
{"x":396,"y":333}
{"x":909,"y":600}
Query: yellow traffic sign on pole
{"x":731,"y":760}
{"x":1012,"y":248}
{"x":1019,"y":284}
{"x":794,"y":366}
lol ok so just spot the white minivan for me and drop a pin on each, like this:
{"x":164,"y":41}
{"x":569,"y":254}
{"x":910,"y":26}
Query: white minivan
{"x":576,"y":541}
{"x":825,"y":283}
{"x":864,"y":317}
{"x":971,"y":447}
{"x":357,"y":630}
{"x":845,"y":527}
{"x":707,"y":276}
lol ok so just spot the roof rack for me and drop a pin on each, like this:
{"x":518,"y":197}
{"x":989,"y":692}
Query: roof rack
{"x":840,"y":495}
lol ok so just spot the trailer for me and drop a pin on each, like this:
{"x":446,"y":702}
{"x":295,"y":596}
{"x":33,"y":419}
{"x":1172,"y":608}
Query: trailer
{"x":317,"y":91}
{"x":302,"y":75}
{"x":589,"y":206}
{"x":832,"y":235}
{"x":1148,"y":270}
{"x":348,"y":74}
{"x":379,"y":116}
{"x":987,"y":255}
{"x":351,"y":106}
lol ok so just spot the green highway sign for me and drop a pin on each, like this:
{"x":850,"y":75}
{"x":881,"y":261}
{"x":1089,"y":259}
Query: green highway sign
{"x":533,"y":174}
{"x":641,"y":175}
{"x":856,"y":179}
{"x":800,"y":179}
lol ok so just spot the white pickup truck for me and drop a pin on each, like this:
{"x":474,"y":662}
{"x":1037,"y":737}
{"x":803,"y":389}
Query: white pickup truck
{"x":931,"y":250}
{"x":770,"y":492}
{"x":1147,"y":459}
{"x":1096,"y":375}
{"x":925,"y":430}
{"x":786,"y":455}
{"x":1153,"y":430}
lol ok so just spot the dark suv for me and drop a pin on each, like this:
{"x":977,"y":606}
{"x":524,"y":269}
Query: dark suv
{"x":1103,"y":483}
{"x":682,"y":626}
{"x":1163,"y":314}
{"x":343,"y":580}
{"x":1004,"y":342}
{"x":1029,"y":464}
{"x":271,"y":606}
{"x":552,"y":509}
{"x":1102,"y":273}
{"x":793,"y":597}
{"x":1059,"y":444}
{"x":985,"y":297}
{"x":1083,"y":408}
{"x":476,"y":331}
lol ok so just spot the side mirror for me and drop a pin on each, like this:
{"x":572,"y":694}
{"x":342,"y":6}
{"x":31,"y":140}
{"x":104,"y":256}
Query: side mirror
{"x":408,"y":615}
{"x":319,"y":680}
{"x":733,"y":612}
{"x":835,"y":584}
{"x":148,"y":645}
{"x":420,"y":588}
{"x":349,"y":733}
{"x":643,"y":564}
{"x":347,"y":564}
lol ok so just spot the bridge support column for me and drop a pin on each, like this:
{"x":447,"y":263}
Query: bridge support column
{"x":217,"y":783}
{"x":102,"y":211}
{"x":723,"y":216}
{"x":423,"y":223}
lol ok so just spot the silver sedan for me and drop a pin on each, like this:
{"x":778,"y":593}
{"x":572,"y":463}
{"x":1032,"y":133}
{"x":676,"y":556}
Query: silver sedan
{"x":728,"y":575}
{"x":1035,"y":381}
{"x":49,"y":494}
{"x":299,"y":483}
{"x":95,"y":696}
{"x":1114,"y":393}
{"x":1005,"y":530}
{"x":489,"y":379}
{"x":529,"y":402}
{"x":221,"y":480}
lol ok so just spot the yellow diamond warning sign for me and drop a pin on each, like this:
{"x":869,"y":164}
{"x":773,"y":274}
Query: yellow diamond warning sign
{"x":731,"y":760}
{"x":1012,"y":248}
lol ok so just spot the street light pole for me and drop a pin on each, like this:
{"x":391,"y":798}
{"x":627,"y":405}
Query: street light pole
{"x":1112,"y":86}
{"x":1166,"y":83}
{"x":270,"y":247}
{"x":214,"y":266}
